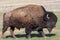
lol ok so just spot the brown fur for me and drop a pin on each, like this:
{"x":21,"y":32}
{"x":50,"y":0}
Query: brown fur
{"x":30,"y":17}
{"x":25,"y":15}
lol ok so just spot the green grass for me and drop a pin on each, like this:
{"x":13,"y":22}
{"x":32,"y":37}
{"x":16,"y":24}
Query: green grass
{"x":55,"y":35}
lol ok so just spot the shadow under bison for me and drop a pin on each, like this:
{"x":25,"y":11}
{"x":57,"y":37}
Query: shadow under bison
{"x":33,"y":35}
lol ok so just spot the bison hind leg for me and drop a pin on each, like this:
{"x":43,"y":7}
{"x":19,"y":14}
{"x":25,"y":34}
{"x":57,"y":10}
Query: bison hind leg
{"x":12,"y":31}
{"x":4,"y":30}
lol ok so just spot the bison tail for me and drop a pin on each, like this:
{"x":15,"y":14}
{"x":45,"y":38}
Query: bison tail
{"x":4,"y":14}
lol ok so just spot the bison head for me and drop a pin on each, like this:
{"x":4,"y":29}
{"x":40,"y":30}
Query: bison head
{"x":51,"y":20}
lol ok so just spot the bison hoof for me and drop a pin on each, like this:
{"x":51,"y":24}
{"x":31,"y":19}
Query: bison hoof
{"x":14,"y":36}
{"x":2,"y":37}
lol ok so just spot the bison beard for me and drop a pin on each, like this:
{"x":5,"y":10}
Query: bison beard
{"x":30,"y":17}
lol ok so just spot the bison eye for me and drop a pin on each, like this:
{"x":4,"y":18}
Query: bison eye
{"x":47,"y":16}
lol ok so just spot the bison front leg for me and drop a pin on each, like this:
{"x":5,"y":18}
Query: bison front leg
{"x":40,"y":31}
{"x":4,"y":30}
{"x":12,"y":31}
{"x":28,"y":33}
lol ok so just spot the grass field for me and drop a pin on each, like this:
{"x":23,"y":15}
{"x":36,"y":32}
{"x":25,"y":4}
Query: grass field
{"x":55,"y":34}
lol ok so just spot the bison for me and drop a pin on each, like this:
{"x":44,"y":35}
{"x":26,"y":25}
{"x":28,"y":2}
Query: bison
{"x":30,"y":17}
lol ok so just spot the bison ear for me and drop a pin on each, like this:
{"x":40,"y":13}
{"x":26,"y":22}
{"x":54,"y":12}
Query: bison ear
{"x":47,"y":16}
